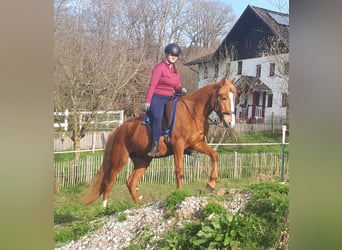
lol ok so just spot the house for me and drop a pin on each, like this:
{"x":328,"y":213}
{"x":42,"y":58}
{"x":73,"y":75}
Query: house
{"x":256,"y":53}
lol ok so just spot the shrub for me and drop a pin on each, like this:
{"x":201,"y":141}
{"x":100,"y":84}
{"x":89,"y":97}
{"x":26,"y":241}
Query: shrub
{"x":176,"y":197}
{"x":218,"y":233}
{"x":257,"y":227}
{"x":213,"y":207}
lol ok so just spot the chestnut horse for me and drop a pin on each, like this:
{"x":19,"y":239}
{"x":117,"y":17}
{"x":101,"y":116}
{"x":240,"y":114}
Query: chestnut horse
{"x":133,"y":140}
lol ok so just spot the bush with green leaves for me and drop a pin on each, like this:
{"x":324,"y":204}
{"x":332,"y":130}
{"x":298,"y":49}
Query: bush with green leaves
{"x":257,"y":227}
{"x":265,"y":214}
{"x":213,"y":208}
{"x":216,"y":233}
{"x":175,"y":198}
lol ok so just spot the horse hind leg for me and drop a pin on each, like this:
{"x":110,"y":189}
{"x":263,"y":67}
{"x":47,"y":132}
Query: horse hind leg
{"x":140,"y":166}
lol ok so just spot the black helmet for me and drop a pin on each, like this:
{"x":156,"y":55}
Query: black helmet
{"x":173,"y":49}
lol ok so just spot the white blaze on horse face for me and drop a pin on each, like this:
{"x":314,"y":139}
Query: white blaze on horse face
{"x":232,"y":106}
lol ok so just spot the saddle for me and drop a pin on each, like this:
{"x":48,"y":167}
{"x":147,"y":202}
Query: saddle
{"x":168,"y":118}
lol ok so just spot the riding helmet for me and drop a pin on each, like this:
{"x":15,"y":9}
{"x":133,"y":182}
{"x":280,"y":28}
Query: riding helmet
{"x":172,"y":49}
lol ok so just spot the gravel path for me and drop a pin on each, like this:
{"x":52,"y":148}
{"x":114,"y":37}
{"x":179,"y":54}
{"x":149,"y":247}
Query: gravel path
{"x":150,"y":220}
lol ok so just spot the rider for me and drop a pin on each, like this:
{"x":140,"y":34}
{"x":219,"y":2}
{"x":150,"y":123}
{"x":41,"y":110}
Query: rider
{"x":165,"y":80}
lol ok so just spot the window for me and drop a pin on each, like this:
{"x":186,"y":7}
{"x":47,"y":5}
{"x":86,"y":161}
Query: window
{"x":257,"y":98}
{"x":284,"y":99}
{"x":239,"y":72}
{"x":216,"y":70}
{"x":272,"y":69}
{"x":205,"y":74}
{"x":258,"y":70}
{"x":269,"y":100}
{"x":248,"y":43}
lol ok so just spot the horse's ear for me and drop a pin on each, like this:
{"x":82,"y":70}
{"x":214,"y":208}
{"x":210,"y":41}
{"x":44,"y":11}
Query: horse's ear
{"x":223,"y":81}
{"x":232,"y":81}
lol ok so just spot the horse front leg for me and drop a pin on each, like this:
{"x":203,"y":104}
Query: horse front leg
{"x":179,"y":168}
{"x":204,"y":148}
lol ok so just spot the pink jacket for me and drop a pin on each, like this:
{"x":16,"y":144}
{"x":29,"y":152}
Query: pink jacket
{"x":163,"y":81}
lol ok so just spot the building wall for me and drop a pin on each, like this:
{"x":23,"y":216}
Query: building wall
{"x":276,"y":83}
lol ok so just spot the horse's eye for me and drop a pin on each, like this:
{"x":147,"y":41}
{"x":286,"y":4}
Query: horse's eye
{"x":223,"y":98}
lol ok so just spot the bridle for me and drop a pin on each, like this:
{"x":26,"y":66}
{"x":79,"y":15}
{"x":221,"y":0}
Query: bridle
{"x":229,"y":113}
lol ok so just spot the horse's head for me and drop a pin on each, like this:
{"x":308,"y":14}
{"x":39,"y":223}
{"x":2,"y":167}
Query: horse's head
{"x":225,"y":98}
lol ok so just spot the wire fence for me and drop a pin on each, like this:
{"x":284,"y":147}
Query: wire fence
{"x":96,"y":140}
{"x":197,"y":167}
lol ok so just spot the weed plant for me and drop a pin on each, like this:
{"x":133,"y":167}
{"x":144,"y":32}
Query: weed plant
{"x":257,"y":227}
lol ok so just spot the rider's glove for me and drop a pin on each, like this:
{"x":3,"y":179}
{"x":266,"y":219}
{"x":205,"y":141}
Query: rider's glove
{"x":146,"y":106}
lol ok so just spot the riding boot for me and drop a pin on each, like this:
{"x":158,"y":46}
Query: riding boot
{"x":187,"y":151}
{"x":155,"y":149}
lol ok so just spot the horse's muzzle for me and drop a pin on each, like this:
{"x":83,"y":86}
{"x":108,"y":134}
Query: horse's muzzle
{"x":227,"y":124}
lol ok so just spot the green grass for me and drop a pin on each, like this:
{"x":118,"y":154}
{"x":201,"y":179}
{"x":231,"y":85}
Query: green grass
{"x":72,"y":220}
{"x":70,"y":156}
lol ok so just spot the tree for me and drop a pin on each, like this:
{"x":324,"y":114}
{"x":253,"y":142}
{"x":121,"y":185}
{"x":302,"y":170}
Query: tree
{"x":105,"y":50}
{"x":91,"y":66}
{"x":209,"y":22}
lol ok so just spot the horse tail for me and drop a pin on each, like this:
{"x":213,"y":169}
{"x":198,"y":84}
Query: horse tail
{"x":95,"y":189}
{"x":97,"y":186}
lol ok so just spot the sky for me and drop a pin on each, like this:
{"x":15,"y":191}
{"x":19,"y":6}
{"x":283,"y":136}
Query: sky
{"x":240,"y":5}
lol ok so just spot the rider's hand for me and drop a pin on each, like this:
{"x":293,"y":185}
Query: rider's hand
{"x":146,"y":106}
{"x":184,"y":91}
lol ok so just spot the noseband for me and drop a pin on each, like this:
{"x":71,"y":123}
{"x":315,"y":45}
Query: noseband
{"x":229,"y":113}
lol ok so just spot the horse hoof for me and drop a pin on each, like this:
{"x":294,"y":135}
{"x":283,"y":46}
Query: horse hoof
{"x":210,"y":188}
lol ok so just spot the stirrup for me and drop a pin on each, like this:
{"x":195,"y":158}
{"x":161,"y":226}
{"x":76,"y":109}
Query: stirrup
{"x":153,"y":154}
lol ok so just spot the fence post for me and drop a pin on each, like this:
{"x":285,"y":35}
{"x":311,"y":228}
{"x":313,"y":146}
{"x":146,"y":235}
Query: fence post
{"x":283,"y":153}
{"x":272,"y":122}
{"x":66,"y":113}
{"x":236,"y":175}
{"x":93,"y":142}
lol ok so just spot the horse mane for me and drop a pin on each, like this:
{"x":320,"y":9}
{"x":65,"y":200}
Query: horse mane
{"x":201,"y":91}
{"x":196,"y":101}
{"x":208,"y":89}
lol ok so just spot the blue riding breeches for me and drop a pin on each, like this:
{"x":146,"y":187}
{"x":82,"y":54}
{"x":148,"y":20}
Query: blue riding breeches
{"x":157,"y":111}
